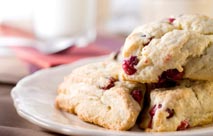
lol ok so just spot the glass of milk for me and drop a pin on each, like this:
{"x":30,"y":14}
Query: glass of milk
{"x":65,"y":19}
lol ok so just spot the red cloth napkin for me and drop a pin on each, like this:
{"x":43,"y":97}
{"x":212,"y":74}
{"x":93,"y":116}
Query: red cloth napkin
{"x":44,"y":61}
{"x":102,"y":46}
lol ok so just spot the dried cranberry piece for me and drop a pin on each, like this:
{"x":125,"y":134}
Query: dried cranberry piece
{"x":183,"y":125}
{"x":152,"y":113}
{"x":153,"y":110}
{"x":110,"y":84}
{"x":167,"y":58}
{"x":174,"y":74}
{"x":171,"y":113}
{"x":128,"y":65}
{"x":137,"y":95}
{"x":169,"y":78}
{"x":171,"y":20}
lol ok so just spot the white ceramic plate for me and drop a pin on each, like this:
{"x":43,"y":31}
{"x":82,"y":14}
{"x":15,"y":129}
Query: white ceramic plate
{"x":34,"y":100}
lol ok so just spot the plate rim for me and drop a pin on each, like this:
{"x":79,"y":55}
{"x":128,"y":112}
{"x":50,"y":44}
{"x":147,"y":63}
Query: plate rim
{"x":64,"y":129}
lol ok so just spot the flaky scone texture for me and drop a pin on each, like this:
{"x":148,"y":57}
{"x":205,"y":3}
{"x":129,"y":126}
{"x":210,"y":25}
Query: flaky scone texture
{"x":179,"y":108}
{"x":184,"y":43}
{"x":96,"y":94}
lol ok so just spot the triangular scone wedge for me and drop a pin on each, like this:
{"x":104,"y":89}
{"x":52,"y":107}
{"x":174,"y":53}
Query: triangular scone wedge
{"x":179,"y":108}
{"x":96,"y":94}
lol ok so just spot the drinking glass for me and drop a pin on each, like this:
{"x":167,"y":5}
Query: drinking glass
{"x":59,"y":20}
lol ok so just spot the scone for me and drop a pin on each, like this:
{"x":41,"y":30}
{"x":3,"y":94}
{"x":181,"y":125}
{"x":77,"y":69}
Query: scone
{"x":183,"y":44}
{"x":96,"y":94}
{"x":173,"y":109}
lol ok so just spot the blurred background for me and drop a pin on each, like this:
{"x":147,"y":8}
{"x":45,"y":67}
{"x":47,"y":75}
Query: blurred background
{"x":113,"y":16}
{"x":48,"y":27}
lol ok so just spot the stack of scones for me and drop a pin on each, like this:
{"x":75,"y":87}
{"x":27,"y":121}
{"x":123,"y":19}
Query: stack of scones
{"x":162,"y":78}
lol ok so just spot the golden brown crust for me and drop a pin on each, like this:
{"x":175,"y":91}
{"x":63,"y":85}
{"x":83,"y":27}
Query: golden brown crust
{"x":191,"y":104}
{"x":184,"y":44}
{"x":113,"y":108}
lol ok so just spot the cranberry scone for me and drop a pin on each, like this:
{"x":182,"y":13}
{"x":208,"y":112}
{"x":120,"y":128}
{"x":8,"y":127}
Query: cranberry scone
{"x":184,"y":106}
{"x":95,"y":94}
{"x":183,"y":44}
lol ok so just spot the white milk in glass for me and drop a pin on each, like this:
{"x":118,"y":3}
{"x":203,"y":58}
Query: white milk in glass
{"x":62,"y":19}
